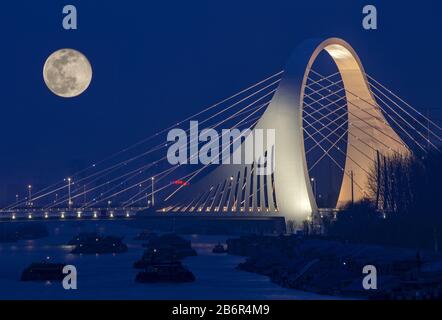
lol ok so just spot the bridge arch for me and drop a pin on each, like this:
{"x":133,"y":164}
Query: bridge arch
{"x":289,"y":189}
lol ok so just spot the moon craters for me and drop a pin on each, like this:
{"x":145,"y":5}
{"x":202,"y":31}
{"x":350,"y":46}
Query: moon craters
{"x":67,"y":73}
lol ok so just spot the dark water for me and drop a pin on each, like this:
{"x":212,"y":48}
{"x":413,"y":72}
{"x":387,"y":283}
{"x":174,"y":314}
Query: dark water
{"x":112,"y":276}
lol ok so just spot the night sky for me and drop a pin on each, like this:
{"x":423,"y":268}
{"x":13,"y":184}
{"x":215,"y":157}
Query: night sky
{"x":157,"y":62}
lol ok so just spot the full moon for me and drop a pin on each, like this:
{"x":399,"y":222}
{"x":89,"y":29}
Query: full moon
{"x":67,"y":73}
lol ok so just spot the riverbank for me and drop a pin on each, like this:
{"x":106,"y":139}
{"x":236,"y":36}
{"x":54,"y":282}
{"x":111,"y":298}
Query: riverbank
{"x":335,"y":268}
{"x":112,"y":276}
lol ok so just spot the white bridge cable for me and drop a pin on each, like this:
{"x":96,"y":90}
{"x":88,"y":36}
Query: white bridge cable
{"x":334,"y":132}
{"x":359,"y":118}
{"x":337,"y":164}
{"x":205,"y":166}
{"x":129,"y":202}
{"x":334,"y":145}
{"x":370,"y":135}
{"x":331,"y":112}
{"x":407,"y":123}
{"x":161,"y":146}
{"x":101,"y":175}
{"x":165,"y":157}
{"x":314,"y":107}
{"x":165,"y":173}
{"x":236,"y":125}
{"x":149,"y":138}
{"x":316,"y":110}
{"x":324,"y":78}
{"x":323,"y":88}
{"x":325,"y":137}
{"x":424,"y":126}
{"x":312,"y":103}
{"x":157,"y":148}
{"x":322,"y":116}
{"x":107,"y":183}
{"x":407,"y":113}
{"x":369,"y":124}
{"x":133,"y":186}
{"x":341,"y":109}
{"x":137,"y":172}
{"x":178,"y":188}
{"x":327,"y":151}
{"x":377,"y":106}
{"x":342,"y":89}
{"x":194,"y":174}
{"x":349,"y":144}
{"x":122,"y":183}
{"x":177,"y":166}
{"x":140,"y":172}
{"x":403,"y":101}
{"x":165,"y":145}
{"x":159,"y":189}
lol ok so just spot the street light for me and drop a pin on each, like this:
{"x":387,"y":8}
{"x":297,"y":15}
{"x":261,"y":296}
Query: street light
{"x":153,"y":191}
{"x":69,"y":193}
{"x":314,"y":186}
{"x":30,"y":196}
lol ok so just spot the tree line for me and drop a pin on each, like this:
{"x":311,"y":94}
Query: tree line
{"x":403,"y":205}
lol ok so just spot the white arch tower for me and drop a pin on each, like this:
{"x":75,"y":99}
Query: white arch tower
{"x":238,"y":190}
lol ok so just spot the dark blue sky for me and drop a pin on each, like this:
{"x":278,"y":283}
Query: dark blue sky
{"x":157,"y":62}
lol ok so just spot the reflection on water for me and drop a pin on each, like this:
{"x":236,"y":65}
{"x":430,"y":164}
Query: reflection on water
{"x":111,"y":276}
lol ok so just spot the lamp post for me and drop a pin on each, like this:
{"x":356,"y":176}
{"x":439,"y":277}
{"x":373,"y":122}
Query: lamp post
{"x":69,"y":193}
{"x":153,"y":191}
{"x":30,"y":195}
{"x":314,"y":186}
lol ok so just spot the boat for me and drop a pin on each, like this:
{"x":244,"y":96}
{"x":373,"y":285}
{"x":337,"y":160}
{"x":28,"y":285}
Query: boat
{"x":182,"y":246}
{"x":108,"y":244}
{"x":43,"y":271}
{"x":83,"y":237}
{"x":155,"y":256}
{"x":219,"y":248}
{"x":165,"y":272}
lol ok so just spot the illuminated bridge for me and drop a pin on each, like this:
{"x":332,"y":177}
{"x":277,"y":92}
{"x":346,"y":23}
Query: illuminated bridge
{"x":322,"y":107}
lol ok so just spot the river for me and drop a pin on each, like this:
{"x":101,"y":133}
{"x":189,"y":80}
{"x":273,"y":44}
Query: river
{"x":110,"y":276}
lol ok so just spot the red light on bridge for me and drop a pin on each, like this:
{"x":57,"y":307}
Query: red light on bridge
{"x":180,"y":183}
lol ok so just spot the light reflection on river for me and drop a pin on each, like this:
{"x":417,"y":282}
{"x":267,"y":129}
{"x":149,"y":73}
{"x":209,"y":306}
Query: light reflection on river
{"x":112,"y":276}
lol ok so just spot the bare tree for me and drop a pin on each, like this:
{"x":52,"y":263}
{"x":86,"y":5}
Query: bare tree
{"x":391,"y":183}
